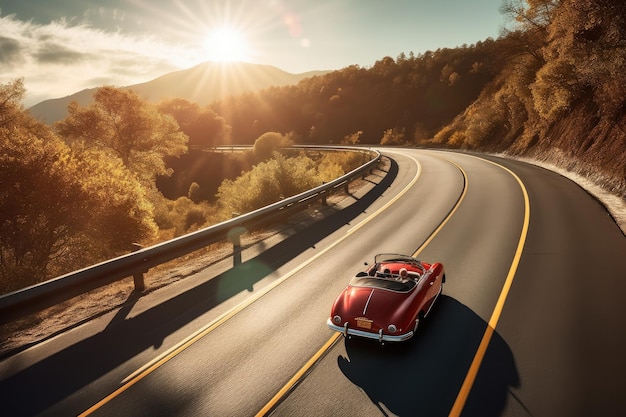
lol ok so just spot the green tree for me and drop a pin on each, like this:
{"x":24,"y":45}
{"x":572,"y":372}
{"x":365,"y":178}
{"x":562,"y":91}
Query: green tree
{"x":129,"y":128}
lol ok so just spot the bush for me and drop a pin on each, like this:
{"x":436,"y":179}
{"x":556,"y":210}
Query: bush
{"x":266,"y":183}
{"x":268,"y":143}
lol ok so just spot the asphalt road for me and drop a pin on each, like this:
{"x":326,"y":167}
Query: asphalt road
{"x":530,"y":323}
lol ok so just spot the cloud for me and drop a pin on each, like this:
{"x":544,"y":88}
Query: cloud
{"x":54,"y":53}
{"x":9,"y":50}
{"x":61,"y":58}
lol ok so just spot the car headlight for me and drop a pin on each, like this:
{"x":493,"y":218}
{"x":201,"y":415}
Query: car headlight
{"x":392,"y":328}
{"x":337,"y":320}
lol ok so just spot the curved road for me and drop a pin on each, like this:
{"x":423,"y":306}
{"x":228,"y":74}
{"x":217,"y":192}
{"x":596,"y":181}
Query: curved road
{"x":530,"y":324}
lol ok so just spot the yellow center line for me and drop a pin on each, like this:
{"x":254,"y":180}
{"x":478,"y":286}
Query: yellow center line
{"x":322,"y":351}
{"x":298,"y":376}
{"x":461,"y":398}
{"x":160,"y":360}
{"x":478,"y":358}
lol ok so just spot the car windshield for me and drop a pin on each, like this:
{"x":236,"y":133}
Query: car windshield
{"x":394,"y":257}
{"x":383,"y":283}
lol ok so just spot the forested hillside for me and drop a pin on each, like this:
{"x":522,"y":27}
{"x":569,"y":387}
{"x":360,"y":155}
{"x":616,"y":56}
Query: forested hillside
{"x":412,"y":95}
{"x":552,"y":87}
{"x":122,"y":170}
{"x":561,"y":97}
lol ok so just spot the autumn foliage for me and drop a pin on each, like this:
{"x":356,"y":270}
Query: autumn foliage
{"x":85,"y":190}
{"x":551,"y":87}
{"x":123,"y":170}
{"x":60,"y":207}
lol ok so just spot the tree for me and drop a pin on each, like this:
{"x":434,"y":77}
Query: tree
{"x":10,"y":106}
{"x":587,"y":51}
{"x":531,"y":19}
{"x":392,"y":137}
{"x":295,"y":175}
{"x":267,"y":143}
{"x":529,"y":14}
{"x":267,"y":183}
{"x":203,"y":126}
{"x":59,"y":210}
{"x":352,"y":139}
{"x":127,"y":127}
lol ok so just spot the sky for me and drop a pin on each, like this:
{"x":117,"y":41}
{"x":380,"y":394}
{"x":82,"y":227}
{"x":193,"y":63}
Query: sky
{"x":60,"y":47}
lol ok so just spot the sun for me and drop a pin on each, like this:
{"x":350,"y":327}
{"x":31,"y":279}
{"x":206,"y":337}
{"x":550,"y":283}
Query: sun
{"x":226,"y":44}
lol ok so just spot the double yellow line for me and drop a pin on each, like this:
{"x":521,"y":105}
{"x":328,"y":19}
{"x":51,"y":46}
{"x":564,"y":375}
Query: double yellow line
{"x":320,"y":353}
{"x":166,"y":356}
{"x":470,"y":377}
{"x":461,"y":398}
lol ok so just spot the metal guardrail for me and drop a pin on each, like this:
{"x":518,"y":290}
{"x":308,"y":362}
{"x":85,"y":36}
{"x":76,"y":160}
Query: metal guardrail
{"x":49,"y":293}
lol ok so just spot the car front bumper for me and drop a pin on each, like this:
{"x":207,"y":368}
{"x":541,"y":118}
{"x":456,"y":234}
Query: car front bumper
{"x":380,"y":336}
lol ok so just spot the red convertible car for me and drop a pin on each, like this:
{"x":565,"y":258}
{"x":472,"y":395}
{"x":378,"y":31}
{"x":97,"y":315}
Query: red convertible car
{"x":387,"y":301}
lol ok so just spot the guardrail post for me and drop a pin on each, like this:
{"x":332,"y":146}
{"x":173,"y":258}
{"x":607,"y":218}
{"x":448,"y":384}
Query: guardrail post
{"x":138,"y":279}
{"x":234,"y":236}
{"x":324,"y":202}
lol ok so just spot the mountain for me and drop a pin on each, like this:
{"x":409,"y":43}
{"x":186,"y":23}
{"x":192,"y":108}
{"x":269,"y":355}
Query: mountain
{"x":203,"y":84}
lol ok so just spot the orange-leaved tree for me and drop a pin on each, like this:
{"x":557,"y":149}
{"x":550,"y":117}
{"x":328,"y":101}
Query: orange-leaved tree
{"x":127,"y":127}
{"x":60,"y":210}
{"x":203,"y":126}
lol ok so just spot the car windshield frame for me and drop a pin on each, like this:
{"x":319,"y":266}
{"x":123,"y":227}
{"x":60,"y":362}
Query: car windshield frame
{"x":388,"y":284}
{"x":395,"y":257}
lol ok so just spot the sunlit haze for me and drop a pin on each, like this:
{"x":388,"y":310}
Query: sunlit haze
{"x":62,"y":47}
{"x":226,"y":44}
